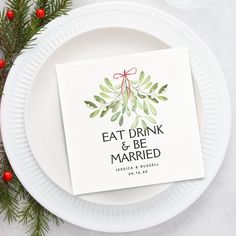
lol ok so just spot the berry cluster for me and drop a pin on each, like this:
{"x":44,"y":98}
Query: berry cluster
{"x":10,"y":15}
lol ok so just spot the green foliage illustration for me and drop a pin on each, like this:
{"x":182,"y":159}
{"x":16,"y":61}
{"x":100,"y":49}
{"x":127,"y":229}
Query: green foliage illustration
{"x":139,"y":96}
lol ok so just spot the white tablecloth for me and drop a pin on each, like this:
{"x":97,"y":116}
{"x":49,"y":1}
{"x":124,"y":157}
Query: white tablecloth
{"x":215,"y":212}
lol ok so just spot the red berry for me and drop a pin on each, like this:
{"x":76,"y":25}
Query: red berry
{"x":10,"y":14}
{"x":2,"y":63}
{"x":7,"y":176}
{"x":40,"y":13}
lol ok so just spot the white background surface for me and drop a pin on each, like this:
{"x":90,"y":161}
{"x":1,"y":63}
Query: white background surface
{"x":215,"y":212}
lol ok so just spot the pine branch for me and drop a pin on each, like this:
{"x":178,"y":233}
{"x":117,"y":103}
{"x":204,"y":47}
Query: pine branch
{"x":8,"y":200}
{"x":17,"y":28}
{"x":15,"y":36}
{"x":53,"y":9}
{"x":57,"y":8}
{"x":17,"y":204}
{"x":35,"y":216}
{"x":8,"y":203}
{"x":41,"y":4}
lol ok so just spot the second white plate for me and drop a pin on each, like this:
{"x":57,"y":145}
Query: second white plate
{"x":43,"y":114}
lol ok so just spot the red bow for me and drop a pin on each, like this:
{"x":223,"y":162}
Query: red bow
{"x":125,"y":81}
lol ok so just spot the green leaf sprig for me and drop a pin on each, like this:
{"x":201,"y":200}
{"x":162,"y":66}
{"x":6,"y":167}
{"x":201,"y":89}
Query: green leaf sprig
{"x":139,"y":96}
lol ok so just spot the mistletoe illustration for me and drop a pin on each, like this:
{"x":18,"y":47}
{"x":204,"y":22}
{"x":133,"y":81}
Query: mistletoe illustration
{"x":139,"y":96}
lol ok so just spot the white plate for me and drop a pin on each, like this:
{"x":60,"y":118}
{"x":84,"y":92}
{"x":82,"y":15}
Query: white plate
{"x":30,"y":97}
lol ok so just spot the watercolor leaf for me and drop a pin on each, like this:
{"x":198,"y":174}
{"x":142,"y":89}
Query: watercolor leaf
{"x":115,"y":116}
{"x":163,"y":89}
{"x":135,"y":124}
{"x":108,"y":83}
{"x":105,"y":89}
{"x":93,"y":114}
{"x":141,"y":77}
{"x":145,"y":107}
{"x":153,"y":88}
{"x":163,"y":98}
{"x":90,"y":104}
{"x":99,"y":99}
{"x":144,"y":124}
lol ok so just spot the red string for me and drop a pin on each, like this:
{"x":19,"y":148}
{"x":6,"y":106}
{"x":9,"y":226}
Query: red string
{"x":125,"y":79}
{"x":125,"y":74}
